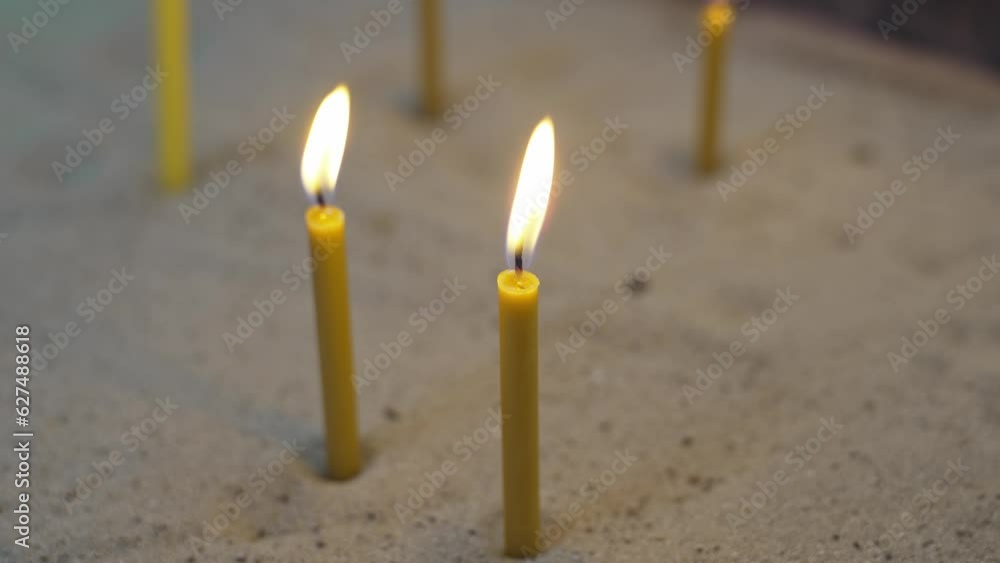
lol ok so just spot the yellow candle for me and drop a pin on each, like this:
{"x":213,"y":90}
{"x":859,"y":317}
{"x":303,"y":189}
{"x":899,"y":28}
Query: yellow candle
{"x":430,"y":21}
{"x":321,"y":162}
{"x":518,"y":295}
{"x":170,"y":20}
{"x":333,"y":326}
{"x":716,"y":18}
{"x":517,"y":291}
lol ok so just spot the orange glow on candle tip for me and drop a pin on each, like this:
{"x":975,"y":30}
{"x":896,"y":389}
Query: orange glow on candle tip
{"x":531,"y":199}
{"x":325,"y":146}
{"x":718,"y":12}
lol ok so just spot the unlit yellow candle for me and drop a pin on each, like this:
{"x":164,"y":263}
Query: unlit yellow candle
{"x":430,"y":59}
{"x":170,"y":20}
{"x":716,"y":18}
{"x":333,"y":326}
{"x":518,"y":294}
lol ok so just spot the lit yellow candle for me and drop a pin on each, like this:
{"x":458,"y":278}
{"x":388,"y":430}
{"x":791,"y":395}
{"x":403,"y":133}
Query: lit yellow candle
{"x":518,"y":295}
{"x":170,"y":20}
{"x":716,"y":18}
{"x":321,"y":162}
{"x":430,"y":24}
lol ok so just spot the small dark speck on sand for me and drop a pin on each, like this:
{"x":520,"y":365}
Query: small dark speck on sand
{"x":863,"y":154}
{"x":635,"y":284}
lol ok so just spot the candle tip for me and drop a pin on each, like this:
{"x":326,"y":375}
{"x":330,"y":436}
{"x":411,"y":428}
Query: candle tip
{"x":519,"y":259}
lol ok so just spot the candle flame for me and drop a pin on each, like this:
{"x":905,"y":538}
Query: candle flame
{"x":718,"y":12}
{"x":324,"y":150}
{"x":532,"y":196}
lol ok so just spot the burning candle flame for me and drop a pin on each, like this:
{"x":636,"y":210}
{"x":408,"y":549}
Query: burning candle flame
{"x":324,"y":150}
{"x":532,"y":196}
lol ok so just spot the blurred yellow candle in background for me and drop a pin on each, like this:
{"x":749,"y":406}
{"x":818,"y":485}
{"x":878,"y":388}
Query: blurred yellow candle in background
{"x":517,"y":291}
{"x":430,"y":57}
{"x":716,"y":18}
{"x":170,"y":21}
{"x":321,"y":162}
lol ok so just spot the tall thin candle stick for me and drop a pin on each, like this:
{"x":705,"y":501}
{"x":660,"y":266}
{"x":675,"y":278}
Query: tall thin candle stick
{"x":432,"y":99}
{"x":517,"y":291}
{"x":716,"y":18}
{"x":170,"y":21}
{"x":518,"y":296}
{"x":321,"y":162}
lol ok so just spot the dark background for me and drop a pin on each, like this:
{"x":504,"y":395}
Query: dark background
{"x":968,"y":29}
